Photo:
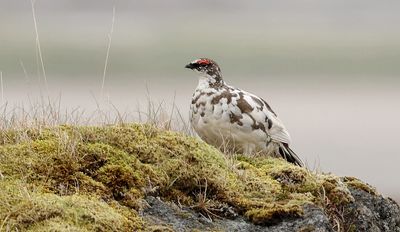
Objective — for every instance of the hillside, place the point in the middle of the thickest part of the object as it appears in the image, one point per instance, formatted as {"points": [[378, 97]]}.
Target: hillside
{"points": [[137, 177]]}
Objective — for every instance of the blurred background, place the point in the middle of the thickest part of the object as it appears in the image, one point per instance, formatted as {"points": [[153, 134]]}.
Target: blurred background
{"points": [[330, 69]]}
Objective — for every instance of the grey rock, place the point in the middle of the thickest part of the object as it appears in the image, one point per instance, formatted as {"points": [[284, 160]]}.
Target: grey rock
{"points": [[367, 213], [179, 219], [373, 213]]}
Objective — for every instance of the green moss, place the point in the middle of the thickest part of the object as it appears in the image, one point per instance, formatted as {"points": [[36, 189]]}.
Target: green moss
{"points": [[33, 210], [358, 184], [335, 190], [89, 171], [273, 213], [159, 228]]}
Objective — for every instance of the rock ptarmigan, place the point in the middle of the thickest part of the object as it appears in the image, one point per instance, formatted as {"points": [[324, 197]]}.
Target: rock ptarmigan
{"points": [[235, 120]]}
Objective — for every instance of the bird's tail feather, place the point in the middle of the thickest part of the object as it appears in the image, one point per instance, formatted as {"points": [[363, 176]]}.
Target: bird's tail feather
{"points": [[289, 155]]}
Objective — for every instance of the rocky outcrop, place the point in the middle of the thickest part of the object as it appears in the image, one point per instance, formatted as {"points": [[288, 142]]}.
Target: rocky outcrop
{"points": [[169, 216], [373, 213], [368, 212], [140, 178]]}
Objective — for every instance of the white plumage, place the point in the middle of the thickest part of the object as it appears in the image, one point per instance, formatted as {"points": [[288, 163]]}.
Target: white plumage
{"points": [[235, 120]]}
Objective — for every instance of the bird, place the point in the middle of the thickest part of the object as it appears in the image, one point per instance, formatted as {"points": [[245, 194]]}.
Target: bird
{"points": [[235, 120]]}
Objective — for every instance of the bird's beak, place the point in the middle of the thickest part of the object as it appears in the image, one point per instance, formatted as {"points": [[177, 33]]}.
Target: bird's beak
{"points": [[189, 66]]}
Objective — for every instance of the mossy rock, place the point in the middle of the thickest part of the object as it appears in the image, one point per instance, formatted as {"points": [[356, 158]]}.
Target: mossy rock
{"points": [[96, 178], [27, 208]]}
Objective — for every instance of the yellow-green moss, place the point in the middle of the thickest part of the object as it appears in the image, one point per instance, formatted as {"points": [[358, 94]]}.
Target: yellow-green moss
{"points": [[358, 184], [90, 171], [159, 228], [34, 210], [335, 190]]}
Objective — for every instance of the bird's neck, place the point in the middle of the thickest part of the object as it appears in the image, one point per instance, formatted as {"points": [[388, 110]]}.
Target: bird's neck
{"points": [[210, 81]]}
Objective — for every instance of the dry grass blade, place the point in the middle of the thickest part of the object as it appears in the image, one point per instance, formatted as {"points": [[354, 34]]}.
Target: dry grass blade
{"points": [[24, 70], [204, 205], [110, 35], [38, 46], [2, 87]]}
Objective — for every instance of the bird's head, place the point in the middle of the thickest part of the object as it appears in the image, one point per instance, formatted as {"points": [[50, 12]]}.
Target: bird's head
{"points": [[206, 67]]}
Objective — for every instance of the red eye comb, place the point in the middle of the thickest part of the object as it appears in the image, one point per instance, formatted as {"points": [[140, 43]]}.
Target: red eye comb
{"points": [[203, 61]]}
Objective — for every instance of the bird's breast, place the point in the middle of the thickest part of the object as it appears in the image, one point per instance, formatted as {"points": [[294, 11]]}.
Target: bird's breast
{"points": [[212, 113]]}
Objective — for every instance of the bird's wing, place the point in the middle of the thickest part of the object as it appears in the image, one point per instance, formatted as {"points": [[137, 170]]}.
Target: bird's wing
{"points": [[263, 116]]}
